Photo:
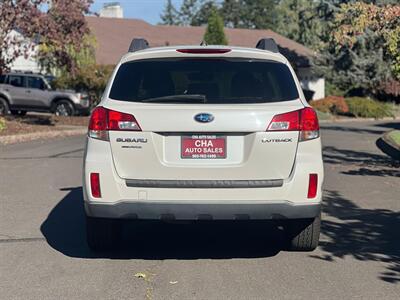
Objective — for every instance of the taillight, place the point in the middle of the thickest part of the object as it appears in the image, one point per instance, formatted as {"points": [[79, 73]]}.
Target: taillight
{"points": [[285, 122], [103, 120], [95, 185], [98, 124], [312, 186], [304, 120], [121, 121], [309, 124]]}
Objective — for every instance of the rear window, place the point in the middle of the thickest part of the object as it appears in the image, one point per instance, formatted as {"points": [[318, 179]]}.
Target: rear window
{"points": [[205, 81], [2, 79]]}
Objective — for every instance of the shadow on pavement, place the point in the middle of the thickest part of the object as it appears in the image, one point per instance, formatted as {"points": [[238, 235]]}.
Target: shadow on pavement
{"points": [[360, 130], [391, 125], [64, 230], [361, 163], [365, 234]]}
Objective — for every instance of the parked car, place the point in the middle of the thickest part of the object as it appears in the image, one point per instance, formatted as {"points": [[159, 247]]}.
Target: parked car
{"points": [[23, 92], [203, 133]]}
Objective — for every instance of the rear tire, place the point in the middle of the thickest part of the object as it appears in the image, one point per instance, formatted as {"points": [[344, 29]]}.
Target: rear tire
{"points": [[64, 108], [102, 234], [4, 109], [303, 234]]}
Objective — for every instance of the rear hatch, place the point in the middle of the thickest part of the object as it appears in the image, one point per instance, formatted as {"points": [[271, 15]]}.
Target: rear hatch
{"points": [[203, 119]]}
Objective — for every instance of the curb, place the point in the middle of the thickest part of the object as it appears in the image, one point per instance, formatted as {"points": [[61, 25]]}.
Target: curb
{"points": [[389, 147], [19, 138], [358, 120]]}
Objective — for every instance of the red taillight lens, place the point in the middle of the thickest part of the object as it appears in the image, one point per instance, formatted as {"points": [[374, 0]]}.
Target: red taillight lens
{"points": [[121, 121], [95, 185], [304, 120], [98, 119], [102, 120], [204, 51], [309, 124], [312, 186]]}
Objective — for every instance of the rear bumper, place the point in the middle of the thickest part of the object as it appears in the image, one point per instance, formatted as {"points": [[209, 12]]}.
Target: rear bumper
{"points": [[202, 199], [188, 210]]}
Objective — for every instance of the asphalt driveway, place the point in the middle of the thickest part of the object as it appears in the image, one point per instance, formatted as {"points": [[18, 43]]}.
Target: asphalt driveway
{"points": [[43, 254]]}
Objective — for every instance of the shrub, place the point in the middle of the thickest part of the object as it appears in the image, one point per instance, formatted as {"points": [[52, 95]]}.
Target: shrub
{"points": [[331, 104], [369, 108], [2, 124], [91, 79]]}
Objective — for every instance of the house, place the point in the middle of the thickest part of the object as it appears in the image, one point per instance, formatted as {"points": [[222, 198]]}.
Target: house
{"points": [[113, 36], [26, 62]]}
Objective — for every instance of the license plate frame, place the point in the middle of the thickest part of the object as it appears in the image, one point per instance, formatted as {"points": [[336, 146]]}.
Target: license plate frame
{"points": [[204, 137]]}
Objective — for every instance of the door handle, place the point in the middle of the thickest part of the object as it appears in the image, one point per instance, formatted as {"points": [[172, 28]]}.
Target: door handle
{"points": [[28, 91]]}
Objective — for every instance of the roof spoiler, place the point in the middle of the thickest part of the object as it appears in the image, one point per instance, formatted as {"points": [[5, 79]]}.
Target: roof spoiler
{"points": [[268, 44], [138, 44]]}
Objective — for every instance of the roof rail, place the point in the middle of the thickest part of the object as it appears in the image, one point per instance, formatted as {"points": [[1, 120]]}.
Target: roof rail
{"points": [[138, 44], [268, 44]]}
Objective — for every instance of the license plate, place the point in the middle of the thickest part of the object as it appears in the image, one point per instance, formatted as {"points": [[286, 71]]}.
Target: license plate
{"points": [[203, 147]]}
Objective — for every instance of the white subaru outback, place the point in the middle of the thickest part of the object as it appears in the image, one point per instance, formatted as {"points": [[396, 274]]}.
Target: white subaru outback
{"points": [[203, 133]]}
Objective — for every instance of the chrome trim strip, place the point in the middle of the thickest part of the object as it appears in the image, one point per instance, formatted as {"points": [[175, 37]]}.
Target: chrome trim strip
{"points": [[203, 184]]}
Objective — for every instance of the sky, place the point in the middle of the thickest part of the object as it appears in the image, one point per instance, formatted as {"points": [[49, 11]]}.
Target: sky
{"points": [[148, 10]]}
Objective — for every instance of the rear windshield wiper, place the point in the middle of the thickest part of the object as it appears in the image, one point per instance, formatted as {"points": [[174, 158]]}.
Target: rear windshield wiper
{"points": [[185, 98]]}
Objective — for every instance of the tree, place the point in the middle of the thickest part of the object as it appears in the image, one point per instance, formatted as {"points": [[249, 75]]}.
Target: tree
{"points": [[82, 58], [21, 15], [214, 34], [362, 49], [255, 14], [360, 69], [203, 13], [355, 21], [62, 32], [187, 11], [299, 20], [169, 15]]}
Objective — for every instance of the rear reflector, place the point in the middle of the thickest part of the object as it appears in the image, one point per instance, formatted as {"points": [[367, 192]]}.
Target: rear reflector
{"points": [[95, 185], [304, 120], [204, 51], [312, 186], [103, 120]]}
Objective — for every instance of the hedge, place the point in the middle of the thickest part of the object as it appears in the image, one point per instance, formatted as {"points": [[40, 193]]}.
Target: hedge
{"points": [[369, 108], [331, 104]]}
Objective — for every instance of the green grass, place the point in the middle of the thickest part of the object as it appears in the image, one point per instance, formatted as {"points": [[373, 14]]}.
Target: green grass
{"points": [[2, 124], [395, 136], [323, 115]]}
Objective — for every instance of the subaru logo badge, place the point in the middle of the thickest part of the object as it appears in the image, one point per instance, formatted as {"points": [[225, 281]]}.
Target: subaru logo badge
{"points": [[204, 118]]}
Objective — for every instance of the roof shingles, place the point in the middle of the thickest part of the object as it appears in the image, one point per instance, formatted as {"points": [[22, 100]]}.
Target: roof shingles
{"points": [[114, 35]]}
